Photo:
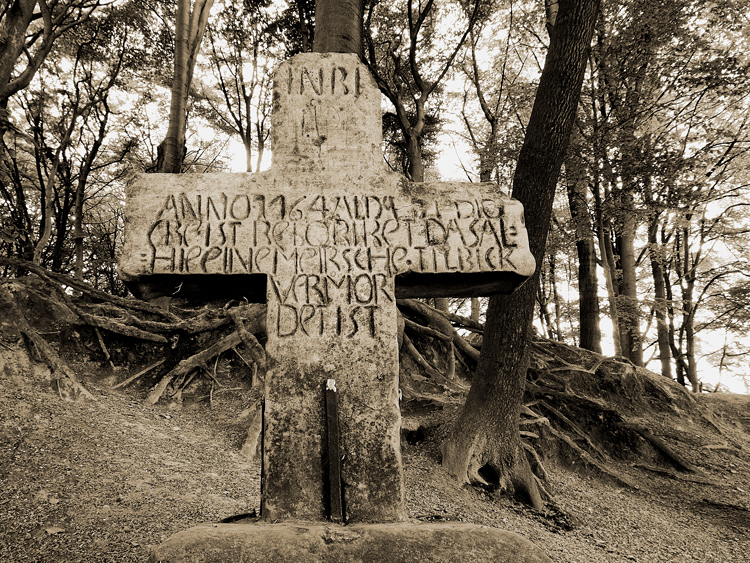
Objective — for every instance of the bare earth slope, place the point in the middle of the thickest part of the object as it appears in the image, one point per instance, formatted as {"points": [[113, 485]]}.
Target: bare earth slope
{"points": [[101, 481]]}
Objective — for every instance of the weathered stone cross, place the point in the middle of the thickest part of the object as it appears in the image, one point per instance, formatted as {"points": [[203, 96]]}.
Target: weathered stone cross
{"points": [[337, 239]]}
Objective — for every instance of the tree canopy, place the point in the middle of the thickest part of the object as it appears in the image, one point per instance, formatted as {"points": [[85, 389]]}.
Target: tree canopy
{"points": [[647, 254]]}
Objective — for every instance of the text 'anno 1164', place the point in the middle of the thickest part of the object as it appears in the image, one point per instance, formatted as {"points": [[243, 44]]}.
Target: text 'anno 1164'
{"points": [[254, 233]]}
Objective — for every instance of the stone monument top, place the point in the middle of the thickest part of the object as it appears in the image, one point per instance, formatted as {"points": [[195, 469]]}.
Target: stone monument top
{"points": [[334, 239]]}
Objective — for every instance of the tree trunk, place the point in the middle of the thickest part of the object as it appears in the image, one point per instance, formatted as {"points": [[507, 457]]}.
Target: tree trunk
{"points": [[603, 228], [660, 299], [692, 363], [628, 305], [475, 309], [189, 28], [588, 291], [488, 154], [556, 299], [688, 309], [416, 166], [65, 199], [173, 146], [484, 444], [17, 21], [48, 190], [545, 319], [442, 303], [588, 283], [18, 15], [338, 26]]}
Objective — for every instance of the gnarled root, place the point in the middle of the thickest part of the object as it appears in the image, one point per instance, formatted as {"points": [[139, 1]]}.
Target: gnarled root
{"points": [[474, 461]]}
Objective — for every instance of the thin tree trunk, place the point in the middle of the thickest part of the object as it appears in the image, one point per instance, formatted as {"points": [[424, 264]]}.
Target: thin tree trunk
{"points": [[173, 146], [49, 189], [475, 309], [484, 443], [416, 166], [608, 265], [660, 300], [189, 28], [688, 310], [65, 199], [588, 283], [628, 304], [556, 300], [541, 298], [83, 177], [692, 364]]}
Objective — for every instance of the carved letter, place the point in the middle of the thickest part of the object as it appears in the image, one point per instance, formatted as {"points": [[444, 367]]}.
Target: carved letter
{"points": [[293, 321]]}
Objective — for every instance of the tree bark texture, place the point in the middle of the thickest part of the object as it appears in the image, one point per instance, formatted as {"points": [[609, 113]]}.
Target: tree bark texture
{"points": [[442, 303], [484, 444], [338, 26], [603, 228]]}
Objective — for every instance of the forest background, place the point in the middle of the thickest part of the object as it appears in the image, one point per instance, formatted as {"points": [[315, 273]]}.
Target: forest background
{"points": [[647, 254]]}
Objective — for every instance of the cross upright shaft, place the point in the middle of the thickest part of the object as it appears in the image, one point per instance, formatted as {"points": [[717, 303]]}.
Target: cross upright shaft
{"points": [[338, 239]]}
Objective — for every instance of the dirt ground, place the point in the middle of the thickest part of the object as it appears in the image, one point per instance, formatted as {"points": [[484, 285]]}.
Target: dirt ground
{"points": [[102, 481]]}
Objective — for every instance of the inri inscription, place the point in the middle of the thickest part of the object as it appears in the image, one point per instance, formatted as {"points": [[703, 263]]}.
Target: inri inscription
{"points": [[338, 239]]}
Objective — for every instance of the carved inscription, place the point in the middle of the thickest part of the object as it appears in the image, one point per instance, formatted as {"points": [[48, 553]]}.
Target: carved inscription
{"points": [[331, 260], [322, 81]]}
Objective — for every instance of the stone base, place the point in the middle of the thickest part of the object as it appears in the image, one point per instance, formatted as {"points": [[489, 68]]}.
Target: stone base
{"points": [[354, 543]]}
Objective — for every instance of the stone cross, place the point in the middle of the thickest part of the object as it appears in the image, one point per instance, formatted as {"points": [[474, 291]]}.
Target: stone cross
{"points": [[335, 239]]}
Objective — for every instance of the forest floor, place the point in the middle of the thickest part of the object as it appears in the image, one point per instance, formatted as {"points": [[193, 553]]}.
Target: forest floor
{"points": [[103, 480]]}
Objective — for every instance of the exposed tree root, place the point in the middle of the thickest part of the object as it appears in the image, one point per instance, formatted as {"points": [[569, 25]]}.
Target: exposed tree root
{"points": [[586, 457], [109, 315], [537, 466], [416, 327], [55, 279], [42, 347], [580, 433], [595, 408], [144, 371], [118, 327], [463, 322], [196, 361], [437, 377], [676, 476], [256, 350], [441, 323], [660, 445], [103, 347]]}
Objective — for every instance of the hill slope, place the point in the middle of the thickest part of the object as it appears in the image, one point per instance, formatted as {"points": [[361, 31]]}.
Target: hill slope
{"points": [[100, 481]]}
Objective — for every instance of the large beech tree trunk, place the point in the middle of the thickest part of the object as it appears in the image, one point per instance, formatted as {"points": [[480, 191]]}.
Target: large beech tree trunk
{"points": [[484, 444], [338, 26]]}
